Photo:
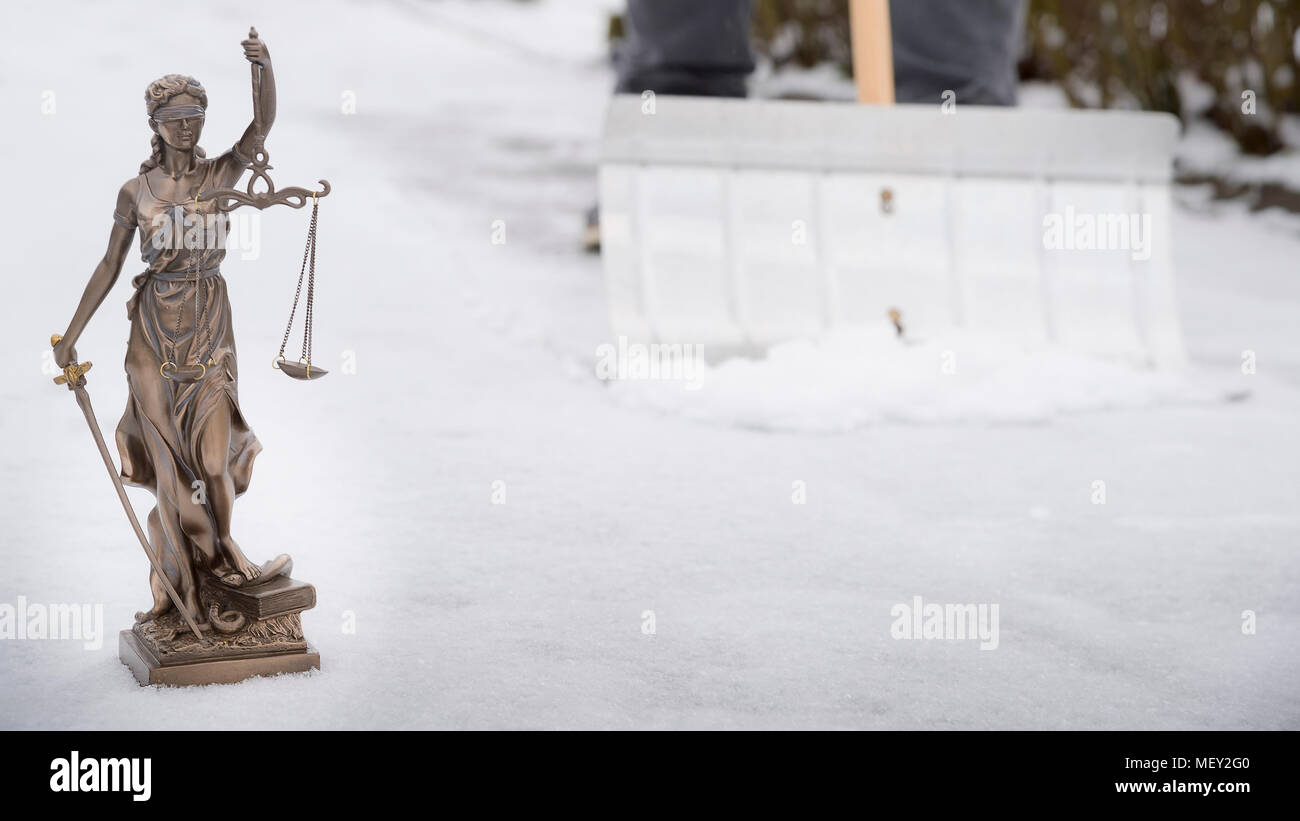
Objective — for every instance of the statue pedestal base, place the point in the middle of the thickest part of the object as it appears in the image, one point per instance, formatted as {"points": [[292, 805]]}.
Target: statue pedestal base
{"points": [[253, 632], [148, 670]]}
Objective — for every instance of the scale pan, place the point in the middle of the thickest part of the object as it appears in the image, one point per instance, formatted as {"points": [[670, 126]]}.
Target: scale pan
{"points": [[301, 370]]}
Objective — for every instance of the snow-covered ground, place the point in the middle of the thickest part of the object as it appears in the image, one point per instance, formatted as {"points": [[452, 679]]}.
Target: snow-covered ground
{"points": [[474, 378]]}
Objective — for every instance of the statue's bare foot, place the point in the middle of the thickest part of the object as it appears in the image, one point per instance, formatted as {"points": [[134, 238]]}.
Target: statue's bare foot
{"points": [[147, 615], [244, 569]]}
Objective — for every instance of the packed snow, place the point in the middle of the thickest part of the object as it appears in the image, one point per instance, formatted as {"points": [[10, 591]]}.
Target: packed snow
{"points": [[863, 375], [500, 539]]}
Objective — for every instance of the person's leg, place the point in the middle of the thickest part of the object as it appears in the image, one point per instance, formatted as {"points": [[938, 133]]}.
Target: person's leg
{"points": [[967, 46], [690, 47], [697, 48]]}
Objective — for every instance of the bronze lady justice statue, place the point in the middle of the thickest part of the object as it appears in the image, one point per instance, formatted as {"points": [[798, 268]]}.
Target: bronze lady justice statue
{"points": [[183, 435]]}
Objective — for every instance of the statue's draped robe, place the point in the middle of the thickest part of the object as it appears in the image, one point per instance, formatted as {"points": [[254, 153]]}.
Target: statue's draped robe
{"points": [[159, 433]]}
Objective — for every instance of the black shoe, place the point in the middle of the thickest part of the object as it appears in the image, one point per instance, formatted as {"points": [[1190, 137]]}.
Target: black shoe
{"points": [[591, 233]]}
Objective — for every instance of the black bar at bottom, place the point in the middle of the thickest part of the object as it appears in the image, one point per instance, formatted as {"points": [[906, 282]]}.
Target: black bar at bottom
{"points": [[306, 771]]}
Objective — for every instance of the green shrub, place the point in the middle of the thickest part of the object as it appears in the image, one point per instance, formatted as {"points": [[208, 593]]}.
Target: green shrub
{"points": [[1113, 54]]}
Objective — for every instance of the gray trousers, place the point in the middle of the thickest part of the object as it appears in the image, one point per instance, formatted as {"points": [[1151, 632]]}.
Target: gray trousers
{"points": [[693, 47], [701, 47]]}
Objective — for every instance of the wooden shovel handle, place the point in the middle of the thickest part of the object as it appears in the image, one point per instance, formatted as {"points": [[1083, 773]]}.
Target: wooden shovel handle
{"points": [[873, 51]]}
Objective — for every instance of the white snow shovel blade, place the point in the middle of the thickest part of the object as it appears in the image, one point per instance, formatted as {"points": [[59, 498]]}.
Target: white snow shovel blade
{"points": [[738, 224]]}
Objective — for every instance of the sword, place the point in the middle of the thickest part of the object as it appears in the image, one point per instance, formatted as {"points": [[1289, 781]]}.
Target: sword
{"points": [[74, 376]]}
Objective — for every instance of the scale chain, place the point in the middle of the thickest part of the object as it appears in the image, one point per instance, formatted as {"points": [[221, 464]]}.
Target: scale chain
{"points": [[308, 318], [308, 256]]}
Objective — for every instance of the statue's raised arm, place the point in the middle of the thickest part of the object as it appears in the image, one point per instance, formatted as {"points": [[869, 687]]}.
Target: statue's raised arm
{"points": [[254, 138], [250, 152]]}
